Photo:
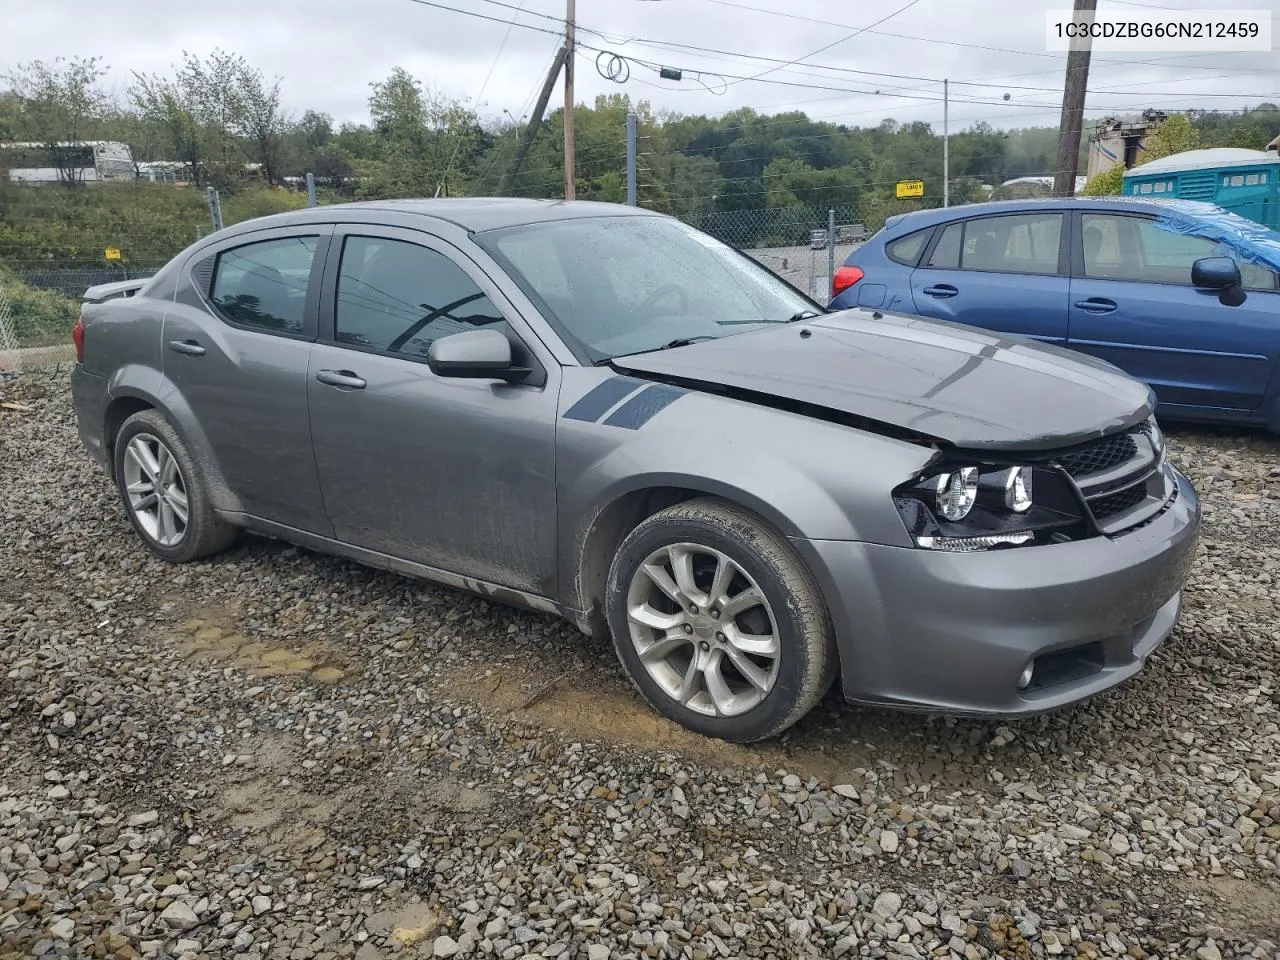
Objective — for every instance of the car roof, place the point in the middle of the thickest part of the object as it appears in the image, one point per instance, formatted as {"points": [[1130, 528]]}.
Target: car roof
{"points": [[917, 219], [474, 214]]}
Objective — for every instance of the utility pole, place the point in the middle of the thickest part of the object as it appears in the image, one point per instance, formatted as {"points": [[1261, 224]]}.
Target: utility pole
{"points": [[568, 101], [946, 143], [631, 158], [1069, 127], [535, 121]]}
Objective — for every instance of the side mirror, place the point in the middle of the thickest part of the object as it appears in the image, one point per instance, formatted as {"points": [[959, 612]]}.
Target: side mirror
{"points": [[474, 355], [1221, 274]]}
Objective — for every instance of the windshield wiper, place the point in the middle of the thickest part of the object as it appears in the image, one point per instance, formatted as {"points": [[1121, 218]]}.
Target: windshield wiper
{"points": [[802, 315], [684, 342]]}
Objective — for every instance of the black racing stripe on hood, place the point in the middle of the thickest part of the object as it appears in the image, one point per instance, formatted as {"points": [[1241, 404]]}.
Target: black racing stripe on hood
{"points": [[595, 403], [644, 406]]}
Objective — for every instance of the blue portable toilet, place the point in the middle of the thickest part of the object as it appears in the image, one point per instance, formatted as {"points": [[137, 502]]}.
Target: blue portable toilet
{"points": [[1246, 182]]}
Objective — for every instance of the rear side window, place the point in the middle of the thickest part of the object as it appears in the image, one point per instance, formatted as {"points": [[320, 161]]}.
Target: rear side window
{"points": [[264, 285], [906, 250], [946, 252], [397, 297], [1015, 243]]}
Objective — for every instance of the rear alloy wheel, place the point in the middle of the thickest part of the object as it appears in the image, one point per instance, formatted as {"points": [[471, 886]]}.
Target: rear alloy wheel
{"points": [[717, 622], [156, 490], [164, 491]]}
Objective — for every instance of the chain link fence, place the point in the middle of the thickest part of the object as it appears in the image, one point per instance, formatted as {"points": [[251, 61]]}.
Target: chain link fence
{"points": [[42, 295]]}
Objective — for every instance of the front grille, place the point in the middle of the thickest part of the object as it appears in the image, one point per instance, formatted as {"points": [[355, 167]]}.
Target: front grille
{"points": [[1103, 455], [1114, 503], [1120, 477]]}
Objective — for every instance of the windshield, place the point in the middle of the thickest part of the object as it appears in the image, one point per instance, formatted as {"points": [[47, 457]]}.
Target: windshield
{"points": [[620, 285]]}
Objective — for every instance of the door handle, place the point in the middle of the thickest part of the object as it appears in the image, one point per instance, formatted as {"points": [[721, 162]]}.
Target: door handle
{"points": [[941, 290], [341, 378], [1097, 305], [188, 347]]}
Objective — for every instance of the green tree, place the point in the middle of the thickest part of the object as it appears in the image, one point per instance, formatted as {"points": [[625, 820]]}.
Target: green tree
{"points": [[259, 119], [201, 110], [58, 104]]}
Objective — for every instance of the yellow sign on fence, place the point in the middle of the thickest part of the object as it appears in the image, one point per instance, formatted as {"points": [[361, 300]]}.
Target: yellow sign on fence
{"points": [[910, 188], [112, 253]]}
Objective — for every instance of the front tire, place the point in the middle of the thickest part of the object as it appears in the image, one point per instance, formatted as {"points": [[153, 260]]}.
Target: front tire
{"points": [[718, 623], [164, 493]]}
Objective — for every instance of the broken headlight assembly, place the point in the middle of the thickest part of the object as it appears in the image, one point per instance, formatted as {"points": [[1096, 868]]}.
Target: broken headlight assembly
{"points": [[963, 508]]}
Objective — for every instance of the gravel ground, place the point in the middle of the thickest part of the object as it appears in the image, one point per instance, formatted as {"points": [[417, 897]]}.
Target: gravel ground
{"points": [[279, 754]]}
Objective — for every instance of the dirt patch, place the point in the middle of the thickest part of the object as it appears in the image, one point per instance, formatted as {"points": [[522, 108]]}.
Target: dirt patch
{"points": [[212, 635], [1246, 907]]}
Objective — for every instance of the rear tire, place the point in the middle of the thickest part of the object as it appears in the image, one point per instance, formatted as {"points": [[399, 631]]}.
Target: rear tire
{"points": [[718, 623], [164, 492]]}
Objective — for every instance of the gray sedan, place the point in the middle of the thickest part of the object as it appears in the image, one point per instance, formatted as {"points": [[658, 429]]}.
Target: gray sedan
{"points": [[600, 412]]}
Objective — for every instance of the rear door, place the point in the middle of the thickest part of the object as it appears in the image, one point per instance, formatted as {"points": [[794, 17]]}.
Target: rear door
{"points": [[1007, 273], [236, 345], [1132, 303]]}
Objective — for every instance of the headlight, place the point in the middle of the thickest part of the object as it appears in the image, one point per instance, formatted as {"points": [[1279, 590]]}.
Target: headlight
{"points": [[965, 508], [957, 492], [1017, 489]]}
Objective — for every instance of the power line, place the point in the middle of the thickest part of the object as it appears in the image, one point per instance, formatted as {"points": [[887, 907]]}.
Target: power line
{"points": [[901, 36], [1104, 91], [485, 83], [834, 43]]}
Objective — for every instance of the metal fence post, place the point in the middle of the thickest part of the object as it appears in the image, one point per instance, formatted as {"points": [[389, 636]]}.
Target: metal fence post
{"points": [[311, 189], [215, 210], [831, 250], [631, 159]]}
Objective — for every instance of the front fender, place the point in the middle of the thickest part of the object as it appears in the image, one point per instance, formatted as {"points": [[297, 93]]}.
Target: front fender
{"points": [[808, 477]]}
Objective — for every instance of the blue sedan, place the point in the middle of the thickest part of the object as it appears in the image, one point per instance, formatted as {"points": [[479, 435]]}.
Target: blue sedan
{"points": [[1180, 294]]}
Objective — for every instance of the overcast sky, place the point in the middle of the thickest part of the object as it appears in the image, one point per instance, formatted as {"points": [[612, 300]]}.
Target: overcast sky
{"points": [[328, 51]]}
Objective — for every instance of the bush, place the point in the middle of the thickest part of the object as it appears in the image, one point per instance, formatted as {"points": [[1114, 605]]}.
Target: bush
{"points": [[148, 222], [37, 318]]}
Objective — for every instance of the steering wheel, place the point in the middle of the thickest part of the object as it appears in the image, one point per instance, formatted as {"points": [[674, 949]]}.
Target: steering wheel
{"points": [[664, 290]]}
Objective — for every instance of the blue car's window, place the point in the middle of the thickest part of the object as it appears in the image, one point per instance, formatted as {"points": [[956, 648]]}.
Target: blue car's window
{"points": [[946, 252], [906, 250], [1119, 247], [1013, 243], [264, 285], [398, 297]]}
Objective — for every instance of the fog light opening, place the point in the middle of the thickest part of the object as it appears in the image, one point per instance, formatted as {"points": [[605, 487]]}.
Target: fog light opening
{"points": [[1024, 679]]}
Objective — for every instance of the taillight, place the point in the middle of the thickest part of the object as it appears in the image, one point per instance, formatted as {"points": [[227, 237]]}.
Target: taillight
{"points": [[77, 337], [845, 278]]}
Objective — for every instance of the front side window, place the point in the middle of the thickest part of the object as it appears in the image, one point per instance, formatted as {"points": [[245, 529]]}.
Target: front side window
{"points": [[619, 285], [397, 297], [1118, 247], [264, 285]]}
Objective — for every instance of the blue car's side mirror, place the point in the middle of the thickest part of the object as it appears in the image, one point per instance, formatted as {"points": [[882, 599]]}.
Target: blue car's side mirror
{"points": [[1221, 274]]}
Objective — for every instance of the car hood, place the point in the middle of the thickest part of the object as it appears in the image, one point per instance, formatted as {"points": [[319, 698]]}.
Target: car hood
{"points": [[960, 385]]}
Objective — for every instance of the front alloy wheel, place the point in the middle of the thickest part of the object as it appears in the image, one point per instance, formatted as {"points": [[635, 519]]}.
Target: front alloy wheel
{"points": [[703, 629], [718, 623]]}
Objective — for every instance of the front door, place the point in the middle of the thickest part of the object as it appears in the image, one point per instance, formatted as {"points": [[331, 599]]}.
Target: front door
{"points": [[1132, 303], [236, 345], [1006, 273], [452, 473]]}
